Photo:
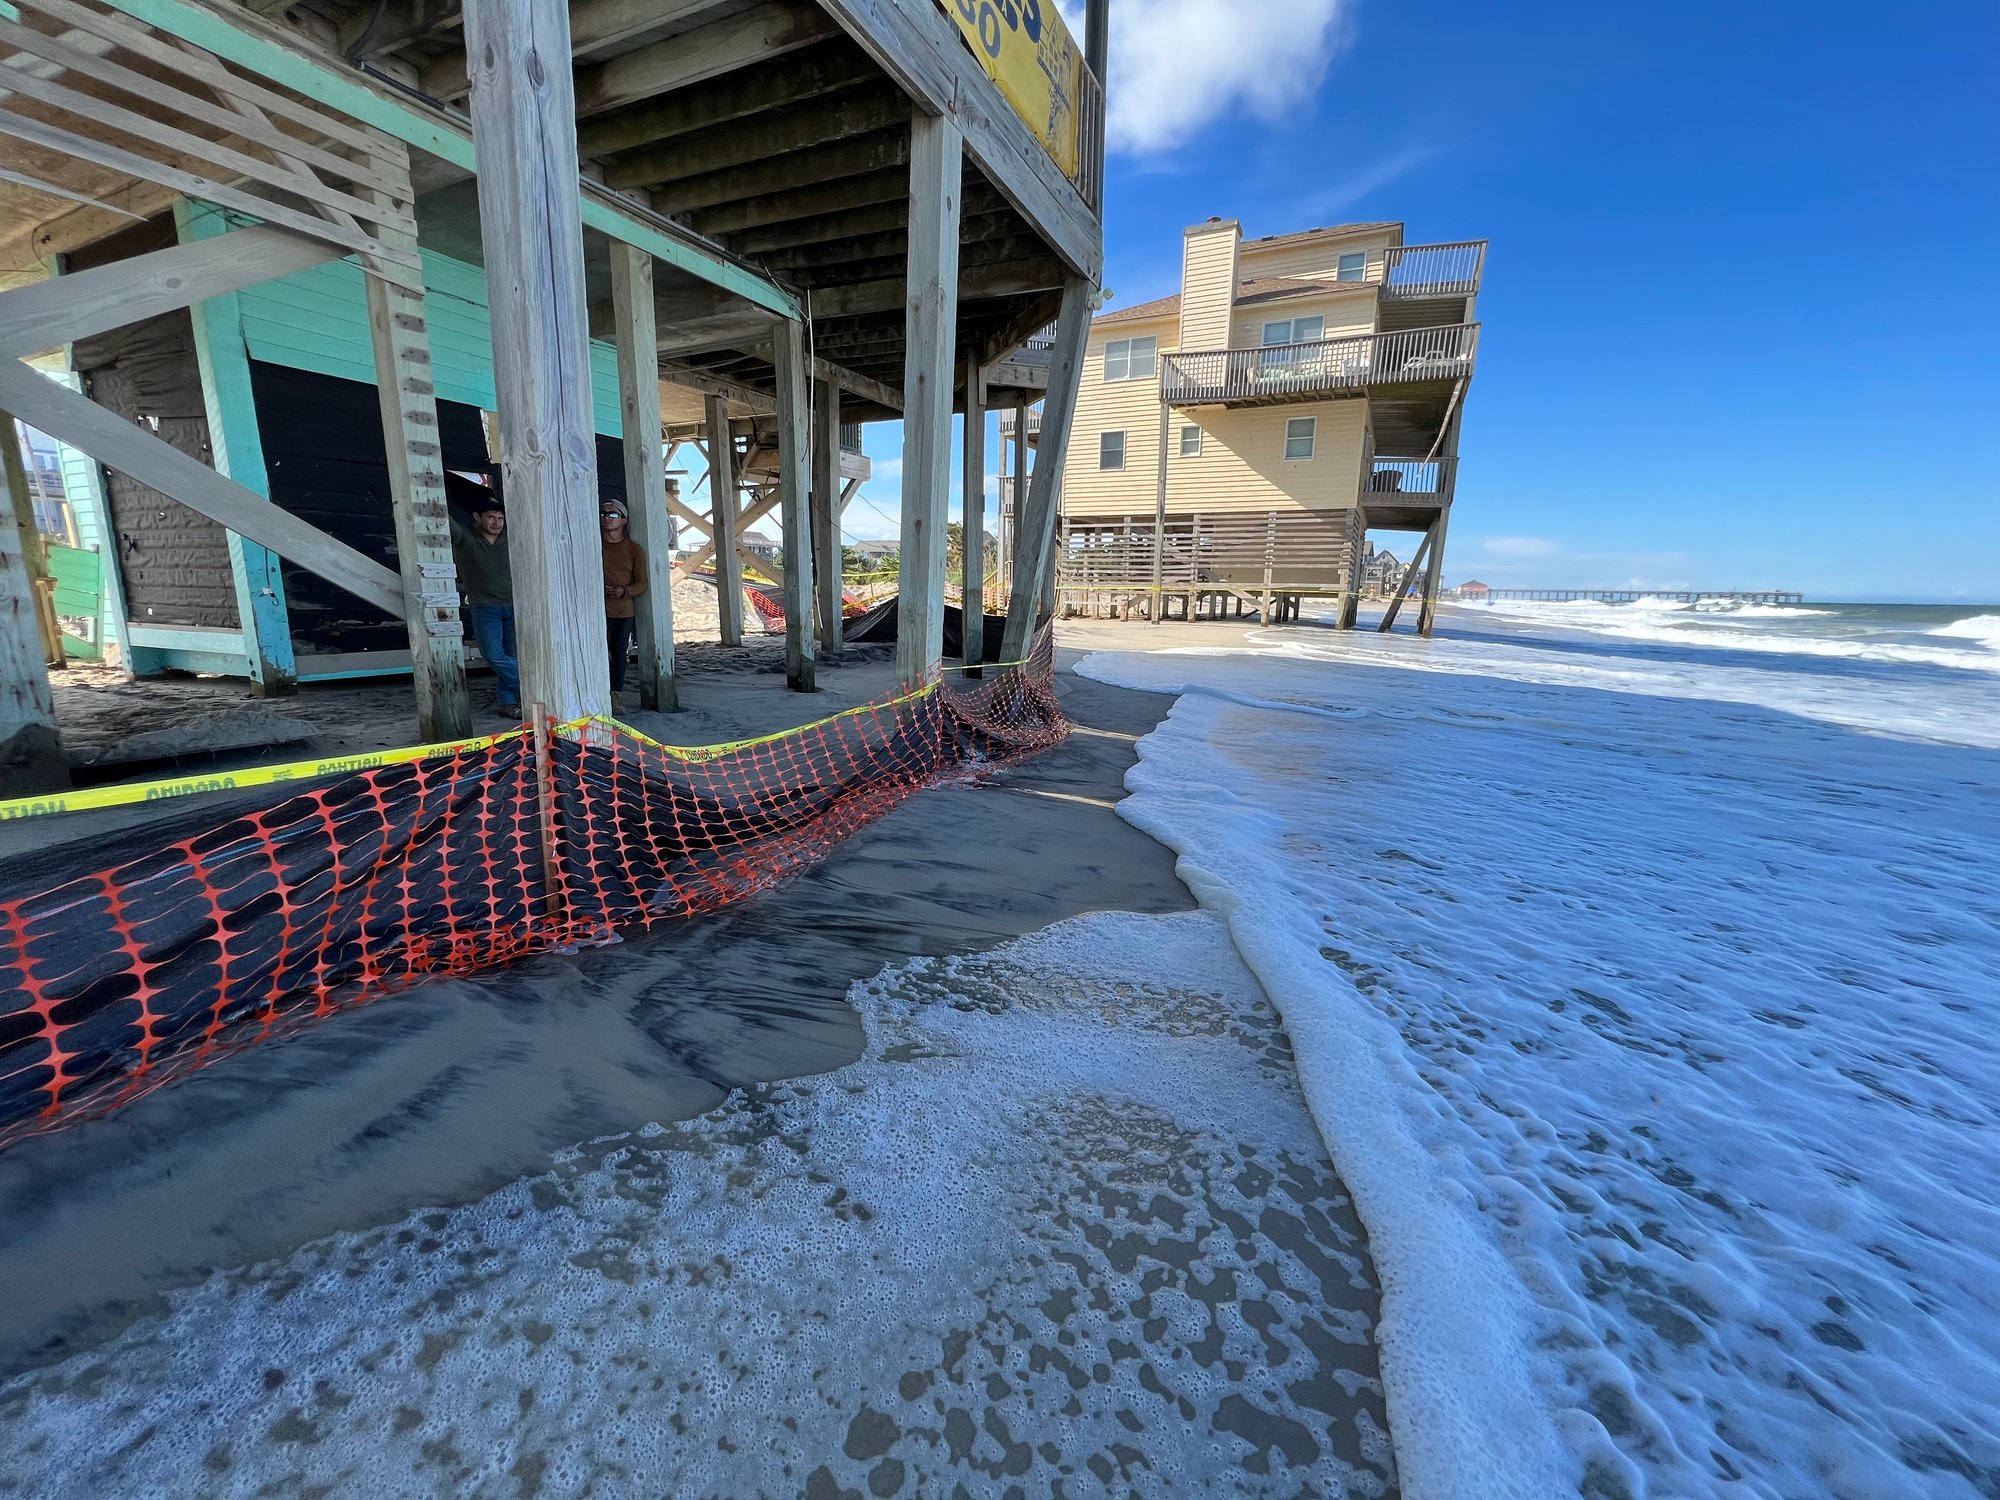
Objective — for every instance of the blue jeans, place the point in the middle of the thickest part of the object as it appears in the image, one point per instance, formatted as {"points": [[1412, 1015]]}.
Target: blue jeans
{"points": [[493, 628]]}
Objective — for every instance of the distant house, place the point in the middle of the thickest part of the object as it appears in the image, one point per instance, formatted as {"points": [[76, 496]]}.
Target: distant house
{"points": [[1473, 589], [1381, 571], [874, 554]]}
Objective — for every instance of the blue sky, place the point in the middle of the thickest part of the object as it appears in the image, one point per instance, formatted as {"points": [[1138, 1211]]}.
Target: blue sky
{"points": [[1740, 302]]}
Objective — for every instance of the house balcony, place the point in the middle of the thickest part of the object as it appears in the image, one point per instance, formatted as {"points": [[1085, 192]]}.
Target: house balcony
{"points": [[1329, 369], [1418, 272], [1406, 494]]}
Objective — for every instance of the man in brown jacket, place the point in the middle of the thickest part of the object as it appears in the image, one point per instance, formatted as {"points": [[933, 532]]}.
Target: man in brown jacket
{"points": [[624, 581]]}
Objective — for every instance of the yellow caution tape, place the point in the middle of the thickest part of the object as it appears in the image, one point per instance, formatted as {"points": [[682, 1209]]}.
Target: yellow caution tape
{"points": [[226, 781], [729, 747]]}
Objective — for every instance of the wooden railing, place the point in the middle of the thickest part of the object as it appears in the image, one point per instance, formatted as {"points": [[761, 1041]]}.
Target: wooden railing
{"points": [[1433, 270], [1090, 140], [1296, 372], [1390, 477]]}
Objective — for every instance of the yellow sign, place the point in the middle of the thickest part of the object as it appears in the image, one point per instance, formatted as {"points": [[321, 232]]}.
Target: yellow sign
{"points": [[1027, 50]]}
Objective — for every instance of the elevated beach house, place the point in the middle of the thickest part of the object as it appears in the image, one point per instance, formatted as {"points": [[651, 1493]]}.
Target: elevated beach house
{"points": [[1235, 442]]}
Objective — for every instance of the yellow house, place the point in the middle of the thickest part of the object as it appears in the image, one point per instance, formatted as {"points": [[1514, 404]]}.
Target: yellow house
{"points": [[1236, 441]]}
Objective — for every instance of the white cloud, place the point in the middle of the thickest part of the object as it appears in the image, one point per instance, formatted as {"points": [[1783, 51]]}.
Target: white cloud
{"points": [[1177, 66], [1518, 546]]}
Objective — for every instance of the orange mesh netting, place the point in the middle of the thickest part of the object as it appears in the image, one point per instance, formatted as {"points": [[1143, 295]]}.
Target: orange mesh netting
{"points": [[115, 981]]}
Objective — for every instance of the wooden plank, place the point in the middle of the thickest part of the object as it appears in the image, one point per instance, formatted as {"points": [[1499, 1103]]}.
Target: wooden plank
{"points": [[736, 97], [51, 138], [157, 133], [802, 203], [688, 377], [776, 174], [1010, 535], [22, 179], [645, 471], [399, 333], [795, 489], [31, 755], [760, 505], [1034, 572], [932, 312], [783, 131], [1403, 587], [136, 452], [918, 45], [807, 234], [594, 26], [722, 488], [755, 36], [194, 26], [826, 516], [64, 309], [1434, 577], [524, 121], [236, 446]]}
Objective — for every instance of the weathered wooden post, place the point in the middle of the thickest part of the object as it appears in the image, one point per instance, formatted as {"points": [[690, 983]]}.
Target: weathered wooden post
{"points": [[936, 150], [1035, 566], [795, 503], [524, 130], [31, 755], [826, 516], [645, 470], [972, 611], [722, 522]]}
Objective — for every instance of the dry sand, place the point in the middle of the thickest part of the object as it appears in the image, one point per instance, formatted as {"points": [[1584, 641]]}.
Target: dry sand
{"points": [[444, 1094]]}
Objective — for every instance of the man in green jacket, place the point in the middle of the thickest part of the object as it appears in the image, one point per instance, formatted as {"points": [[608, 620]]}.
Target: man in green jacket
{"points": [[486, 577]]}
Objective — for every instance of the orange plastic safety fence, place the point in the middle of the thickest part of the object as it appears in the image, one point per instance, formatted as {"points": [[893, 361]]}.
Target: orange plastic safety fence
{"points": [[115, 981]]}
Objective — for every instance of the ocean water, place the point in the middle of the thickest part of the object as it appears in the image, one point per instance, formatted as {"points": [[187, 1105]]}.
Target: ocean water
{"points": [[1065, 1228], [1643, 970]]}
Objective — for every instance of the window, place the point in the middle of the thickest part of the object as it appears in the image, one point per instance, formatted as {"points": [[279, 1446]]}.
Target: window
{"points": [[1111, 450], [1190, 442], [1301, 434], [1130, 359], [1353, 266], [1294, 331]]}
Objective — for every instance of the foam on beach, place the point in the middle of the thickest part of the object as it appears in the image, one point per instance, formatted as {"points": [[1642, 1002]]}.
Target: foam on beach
{"points": [[1067, 1221], [1647, 1007]]}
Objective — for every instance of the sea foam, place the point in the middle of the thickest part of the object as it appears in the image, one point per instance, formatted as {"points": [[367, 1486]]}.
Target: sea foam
{"points": [[1066, 1228], [1648, 1011]]}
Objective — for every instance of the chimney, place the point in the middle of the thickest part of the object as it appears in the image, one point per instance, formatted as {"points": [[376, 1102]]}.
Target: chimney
{"points": [[1208, 282]]}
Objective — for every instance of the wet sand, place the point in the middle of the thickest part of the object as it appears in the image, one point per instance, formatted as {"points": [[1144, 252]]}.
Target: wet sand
{"points": [[434, 1099]]}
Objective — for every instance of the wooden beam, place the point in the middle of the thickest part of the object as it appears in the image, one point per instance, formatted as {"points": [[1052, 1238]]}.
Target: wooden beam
{"points": [[1010, 531], [734, 97], [972, 533], [826, 516], [795, 490], [645, 472], [594, 26], [840, 118], [31, 754], [891, 241], [64, 309], [801, 203], [1434, 578], [805, 235], [1036, 521], [879, 152], [932, 311], [922, 49], [137, 453], [756, 36], [974, 257], [1020, 327], [722, 526], [524, 124], [399, 332], [689, 378], [1008, 279]]}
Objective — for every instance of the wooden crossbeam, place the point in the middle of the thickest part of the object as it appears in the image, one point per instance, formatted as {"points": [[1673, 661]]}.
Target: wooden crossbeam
{"points": [[758, 507], [801, 203], [67, 308], [754, 37], [1008, 279], [595, 26], [882, 151], [156, 463], [737, 96], [838, 119]]}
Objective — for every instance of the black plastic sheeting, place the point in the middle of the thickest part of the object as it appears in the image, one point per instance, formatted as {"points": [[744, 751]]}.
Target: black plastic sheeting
{"points": [[879, 624]]}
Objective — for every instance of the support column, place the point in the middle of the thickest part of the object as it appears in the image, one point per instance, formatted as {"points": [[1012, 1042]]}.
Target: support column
{"points": [[1010, 549], [788, 356], [400, 332], [645, 470], [1428, 613], [1159, 609], [1357, 557], [936, 149], [34, 551], [236, 447], [31, 753], [1035, 573], [972, 603], [531, 227], [722, 523], [826, 517], [1403, 584]]}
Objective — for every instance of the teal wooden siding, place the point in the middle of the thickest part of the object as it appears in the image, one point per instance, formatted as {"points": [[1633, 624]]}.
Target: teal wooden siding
{"points": [[318, 320]]}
